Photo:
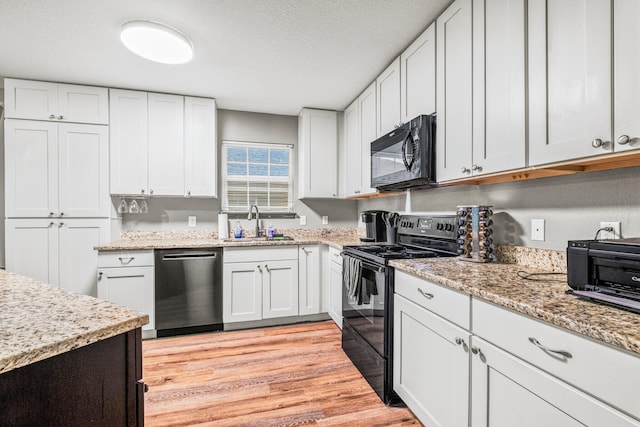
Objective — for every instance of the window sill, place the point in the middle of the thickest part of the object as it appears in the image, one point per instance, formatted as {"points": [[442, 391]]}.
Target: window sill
{"points": [[243, 215]]}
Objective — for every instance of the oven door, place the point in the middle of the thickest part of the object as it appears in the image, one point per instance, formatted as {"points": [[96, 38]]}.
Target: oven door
{"points": [[364, 309]]}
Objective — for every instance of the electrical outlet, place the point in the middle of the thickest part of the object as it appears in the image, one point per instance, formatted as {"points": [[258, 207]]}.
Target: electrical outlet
{"points": [[325, 220], [615, 234], [192, 221], [537, 229], [303, 220]]}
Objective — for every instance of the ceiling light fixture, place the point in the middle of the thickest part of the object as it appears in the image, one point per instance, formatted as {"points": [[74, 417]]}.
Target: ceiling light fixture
{"points": [[156, 42]]}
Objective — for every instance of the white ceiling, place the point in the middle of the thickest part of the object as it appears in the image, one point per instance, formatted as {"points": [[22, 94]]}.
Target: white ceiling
{"points": [[271, 56]]}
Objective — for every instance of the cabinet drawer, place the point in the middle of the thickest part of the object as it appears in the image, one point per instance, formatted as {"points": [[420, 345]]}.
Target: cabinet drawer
{"points": [[453, 306], [610, 374], [125, 258], [260, 253], [334, 255]]}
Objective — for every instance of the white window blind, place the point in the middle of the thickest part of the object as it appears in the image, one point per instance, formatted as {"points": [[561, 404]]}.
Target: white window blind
{"points": [[256, 174]]}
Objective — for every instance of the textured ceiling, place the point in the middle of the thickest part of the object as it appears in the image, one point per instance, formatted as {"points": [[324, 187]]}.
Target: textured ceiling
{"points": [[272, 56]]}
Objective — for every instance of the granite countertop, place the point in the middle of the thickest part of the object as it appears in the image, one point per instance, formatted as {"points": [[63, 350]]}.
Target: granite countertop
{"points": [[40, 321], [545, 300]]}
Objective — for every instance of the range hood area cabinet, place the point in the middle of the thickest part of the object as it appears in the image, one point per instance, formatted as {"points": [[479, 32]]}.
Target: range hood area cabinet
{"points": [[162, 145], [317, 154]]}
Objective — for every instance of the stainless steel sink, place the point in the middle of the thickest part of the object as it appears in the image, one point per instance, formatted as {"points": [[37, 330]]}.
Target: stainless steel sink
{"points": [[258, 239]]}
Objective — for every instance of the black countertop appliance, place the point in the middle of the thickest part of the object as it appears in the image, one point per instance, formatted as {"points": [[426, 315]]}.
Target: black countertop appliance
{"points": [[375, 226]]}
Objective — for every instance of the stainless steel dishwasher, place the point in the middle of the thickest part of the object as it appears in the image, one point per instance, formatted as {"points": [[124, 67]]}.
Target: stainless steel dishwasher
{"points": [[188, 291]]}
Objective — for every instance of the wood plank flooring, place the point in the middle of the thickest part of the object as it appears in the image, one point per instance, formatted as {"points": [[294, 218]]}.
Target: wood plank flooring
{"points": [[293, 375]]}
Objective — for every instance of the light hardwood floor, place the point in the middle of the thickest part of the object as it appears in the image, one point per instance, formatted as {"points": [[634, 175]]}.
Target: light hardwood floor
{"points": [[283, 376]]}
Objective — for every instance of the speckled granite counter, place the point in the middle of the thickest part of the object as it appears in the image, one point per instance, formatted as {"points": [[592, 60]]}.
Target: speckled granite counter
{"points": [[40, 321], [544, 300], [134, 240]]}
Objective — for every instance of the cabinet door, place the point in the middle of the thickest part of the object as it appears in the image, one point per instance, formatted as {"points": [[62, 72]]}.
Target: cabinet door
{"points": [[569, 79], [506, 392], [318, 154], [627, 63], [128, 142], [499, 140], [242, 292], [335, 292], [201, 147], [418, 76], [32, 248], [83, 104], [353, 152], [454, 133], [166, 145], [83, 159], [388, 98], [431, 365], [280, 289], [368, 120], [131, 287], [78, 261], [309, 280], [26, 99], [31, 168]]}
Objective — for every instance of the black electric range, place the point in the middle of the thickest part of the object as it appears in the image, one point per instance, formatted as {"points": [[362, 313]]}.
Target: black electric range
{"points": [[367, 300]]}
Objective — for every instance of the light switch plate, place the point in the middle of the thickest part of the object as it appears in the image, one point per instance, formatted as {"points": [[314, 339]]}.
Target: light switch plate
{"points": [[303, 220], [325, 220], [537, 229], [192, 221]]}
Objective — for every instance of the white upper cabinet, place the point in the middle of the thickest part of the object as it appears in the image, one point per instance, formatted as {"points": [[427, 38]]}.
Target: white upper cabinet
{"points": [[454, 132], [352, 151], [318, 154], [200, 145], [56, 170], [418, 76], [569, 79], [166, 144], [499, 104], [129, 147], [388, 97], [626, 126], [162, 145], [368, 120], [26, 99]]}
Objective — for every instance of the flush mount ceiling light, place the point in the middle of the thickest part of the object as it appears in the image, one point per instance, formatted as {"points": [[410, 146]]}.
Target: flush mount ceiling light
{"points": [[156, 42]]}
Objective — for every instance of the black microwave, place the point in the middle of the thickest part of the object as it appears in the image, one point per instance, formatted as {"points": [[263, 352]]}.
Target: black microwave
{"points": [[405, 157]]}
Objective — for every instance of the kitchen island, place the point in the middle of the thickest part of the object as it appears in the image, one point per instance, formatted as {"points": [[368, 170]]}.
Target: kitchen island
{"points": [[67, 359]]}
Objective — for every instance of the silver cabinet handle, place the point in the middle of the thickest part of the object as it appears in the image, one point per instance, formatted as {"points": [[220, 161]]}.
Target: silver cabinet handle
{"points": [[61, 213], [51, 214], [189, 193], [60, 117], [61, 225], [459, 341], [624, 139], [260, 269], [100, 275], [427, 295], [549, 350], [51, 224], [476, 168], [597, 143], [126, 260], [303, 249], [266, 267], [142, 191], [150, 191], [52, 116], [465, 170]]}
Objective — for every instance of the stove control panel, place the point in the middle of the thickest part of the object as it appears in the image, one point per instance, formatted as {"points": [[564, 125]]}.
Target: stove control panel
{"points": [[430, 226]]}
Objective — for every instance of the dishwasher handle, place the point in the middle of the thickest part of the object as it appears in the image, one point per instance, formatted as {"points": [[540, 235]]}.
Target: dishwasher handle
{"points": [[189, 256]]}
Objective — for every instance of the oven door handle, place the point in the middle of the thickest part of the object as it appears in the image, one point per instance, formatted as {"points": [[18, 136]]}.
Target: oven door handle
{"points": [[369, 266]]}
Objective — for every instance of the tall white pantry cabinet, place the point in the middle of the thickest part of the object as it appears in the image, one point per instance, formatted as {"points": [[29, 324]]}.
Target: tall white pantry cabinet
{"points": [[56, 181]]}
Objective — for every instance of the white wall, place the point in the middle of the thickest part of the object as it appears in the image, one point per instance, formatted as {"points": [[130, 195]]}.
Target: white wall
{"points": [[572, 206], [172, 213]]}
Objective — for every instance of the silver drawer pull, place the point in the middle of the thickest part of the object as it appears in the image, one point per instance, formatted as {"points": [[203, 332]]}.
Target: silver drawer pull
{"points": [[549, 350], [427, 295], [126, 260]]}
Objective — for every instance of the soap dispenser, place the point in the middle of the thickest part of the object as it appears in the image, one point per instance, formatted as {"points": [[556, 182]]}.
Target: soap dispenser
{"points": [[237, 231]]}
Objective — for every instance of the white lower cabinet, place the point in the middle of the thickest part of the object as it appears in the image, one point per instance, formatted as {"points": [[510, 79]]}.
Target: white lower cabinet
{"points": [[57, 251], [507, 391], [259, 283], [334, 285], [127, 279], [309, 298], [509, 370]]}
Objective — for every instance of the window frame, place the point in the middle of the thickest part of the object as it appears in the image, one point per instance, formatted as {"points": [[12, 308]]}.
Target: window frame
{"points": [[225, 178]]}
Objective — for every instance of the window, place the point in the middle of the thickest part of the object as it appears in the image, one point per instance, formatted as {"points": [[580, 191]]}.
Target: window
{"points": [[256, 174]]}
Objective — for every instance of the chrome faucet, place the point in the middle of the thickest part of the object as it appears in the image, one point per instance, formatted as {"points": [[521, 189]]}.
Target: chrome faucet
{"points": [[257, 218]]}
